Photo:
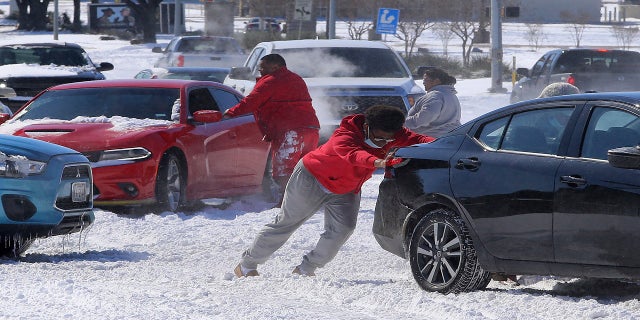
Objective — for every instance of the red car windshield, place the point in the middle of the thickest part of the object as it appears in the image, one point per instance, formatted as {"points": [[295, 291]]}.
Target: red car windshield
{"points": [[138, 103]]}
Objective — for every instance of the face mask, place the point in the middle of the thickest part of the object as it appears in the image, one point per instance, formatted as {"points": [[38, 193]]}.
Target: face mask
{"points": [[369, 142]]}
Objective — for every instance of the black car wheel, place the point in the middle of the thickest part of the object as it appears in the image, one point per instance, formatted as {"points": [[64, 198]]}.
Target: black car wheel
{"points": [[170, 183], [442, 256]]}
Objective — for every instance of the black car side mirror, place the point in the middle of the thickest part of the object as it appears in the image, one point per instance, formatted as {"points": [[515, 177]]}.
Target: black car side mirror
{"points": [[523, 72], [240, 73], [625, 157], [105, 66], [157, 50]]}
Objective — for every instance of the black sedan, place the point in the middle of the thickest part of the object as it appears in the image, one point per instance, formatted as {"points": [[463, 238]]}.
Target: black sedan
{"points": [[545, 187]]}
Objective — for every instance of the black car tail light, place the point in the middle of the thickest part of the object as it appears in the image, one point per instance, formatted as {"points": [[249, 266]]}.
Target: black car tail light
{"points": [[571, 80]]}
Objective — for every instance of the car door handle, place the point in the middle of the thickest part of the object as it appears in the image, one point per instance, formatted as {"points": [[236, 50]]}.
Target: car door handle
{"points": [[468, 164], [573, 181]]}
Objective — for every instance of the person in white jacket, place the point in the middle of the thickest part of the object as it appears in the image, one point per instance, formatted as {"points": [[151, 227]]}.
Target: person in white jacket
{"points": [[438, 111]]}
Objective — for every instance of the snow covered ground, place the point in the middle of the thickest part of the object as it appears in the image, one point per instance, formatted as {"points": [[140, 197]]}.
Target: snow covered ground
{"points": [[179, 266]]}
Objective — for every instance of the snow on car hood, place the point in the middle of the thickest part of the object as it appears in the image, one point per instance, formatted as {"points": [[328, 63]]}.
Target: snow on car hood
{"points": [[36, 70], [85, 133]]}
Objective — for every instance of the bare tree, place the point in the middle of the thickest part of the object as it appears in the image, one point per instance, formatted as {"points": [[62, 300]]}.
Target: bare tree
{"points": [[146, 12], [465, 23], [409, 32], [442, 30], [32, 14], [357, 29], [577, 25], [625, 35], [535, 35]]}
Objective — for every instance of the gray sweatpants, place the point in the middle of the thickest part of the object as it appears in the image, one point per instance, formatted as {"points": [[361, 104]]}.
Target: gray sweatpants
{"points": [[303, 197]]}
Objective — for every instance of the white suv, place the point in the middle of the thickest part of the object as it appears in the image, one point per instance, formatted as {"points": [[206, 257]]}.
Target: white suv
{"points": [[344, 76]]}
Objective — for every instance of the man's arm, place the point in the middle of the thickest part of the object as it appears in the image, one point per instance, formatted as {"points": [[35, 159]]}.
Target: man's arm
{"points": [[261, 93]]}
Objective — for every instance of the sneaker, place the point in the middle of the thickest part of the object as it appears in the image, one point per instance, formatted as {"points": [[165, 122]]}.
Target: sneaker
{"points": [[240, 274], [299, 271]]}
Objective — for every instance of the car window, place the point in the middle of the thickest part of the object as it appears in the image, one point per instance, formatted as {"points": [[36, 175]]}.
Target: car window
{"points": [[536, 70], [492, 133], [599, 60], [212, 45], [608, 129], [537, 131], [138, 103], [224, 99], [201, 99], [253, 58], [144, 74], [60, 56], [344, 62]]}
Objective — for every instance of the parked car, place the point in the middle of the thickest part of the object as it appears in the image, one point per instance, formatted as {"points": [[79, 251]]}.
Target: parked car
{"points": [[600, 70], [262, 24], [151, 142], [45, 190], [193, 73], [43, 65], [543, 187], [201, 51], [343, 76]]}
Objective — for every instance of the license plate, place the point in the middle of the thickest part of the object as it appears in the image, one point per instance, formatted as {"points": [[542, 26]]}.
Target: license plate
{"points": [[79, 192]]}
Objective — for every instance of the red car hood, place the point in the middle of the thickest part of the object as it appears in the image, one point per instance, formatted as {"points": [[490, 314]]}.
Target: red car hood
{"points": [[88, 136]]}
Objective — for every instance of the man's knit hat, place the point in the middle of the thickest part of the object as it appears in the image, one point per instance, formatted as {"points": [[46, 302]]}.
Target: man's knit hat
{"points": [[558, 89]]}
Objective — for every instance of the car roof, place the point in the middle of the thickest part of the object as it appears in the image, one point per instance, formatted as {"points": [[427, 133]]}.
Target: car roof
{"points": [[137, 83], [631, 98], [205, 37], [192, 69], [44, 44], [590, 50], [324, 43]]}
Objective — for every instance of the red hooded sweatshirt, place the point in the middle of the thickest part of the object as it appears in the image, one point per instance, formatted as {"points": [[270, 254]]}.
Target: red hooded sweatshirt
{"points": [[280, 102], [345, 162]]}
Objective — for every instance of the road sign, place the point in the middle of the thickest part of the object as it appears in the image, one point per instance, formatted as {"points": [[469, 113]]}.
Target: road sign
{"points": [[387, 21], [302, 10]]}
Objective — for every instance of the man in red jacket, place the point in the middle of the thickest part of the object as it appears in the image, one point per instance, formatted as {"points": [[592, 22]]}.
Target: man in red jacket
{"points": [[330, 177], [282, 106]]}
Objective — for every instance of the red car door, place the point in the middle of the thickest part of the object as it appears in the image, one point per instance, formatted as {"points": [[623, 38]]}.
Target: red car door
{"points": [[252, 152], [212, 170]]}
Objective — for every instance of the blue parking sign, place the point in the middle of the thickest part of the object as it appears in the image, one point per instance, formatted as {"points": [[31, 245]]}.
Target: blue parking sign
{"points": [[387, 21]]}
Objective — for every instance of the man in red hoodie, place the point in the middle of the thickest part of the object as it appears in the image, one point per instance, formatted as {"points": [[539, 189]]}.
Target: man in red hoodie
{"points": [[330, 177], [282, 107]]}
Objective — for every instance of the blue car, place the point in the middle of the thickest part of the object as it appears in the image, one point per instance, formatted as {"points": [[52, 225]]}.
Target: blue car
{"points": [[45, 190]]}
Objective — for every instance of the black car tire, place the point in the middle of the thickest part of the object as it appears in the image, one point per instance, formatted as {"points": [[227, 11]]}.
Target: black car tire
{"points": [[14, 246], [170, 183], [442, 256]]}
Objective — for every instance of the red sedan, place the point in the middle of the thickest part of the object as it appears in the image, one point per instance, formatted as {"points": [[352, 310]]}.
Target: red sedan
{"points": [[151, 141]]}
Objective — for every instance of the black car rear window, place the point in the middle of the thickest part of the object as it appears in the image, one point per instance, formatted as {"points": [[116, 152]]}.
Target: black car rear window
{"points": [[599, 60], [138, 103]]}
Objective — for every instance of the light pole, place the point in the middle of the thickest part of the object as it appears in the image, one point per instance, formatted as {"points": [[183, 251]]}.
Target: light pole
{"points": [[55, 20], [496, 48], [332, 19]]}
